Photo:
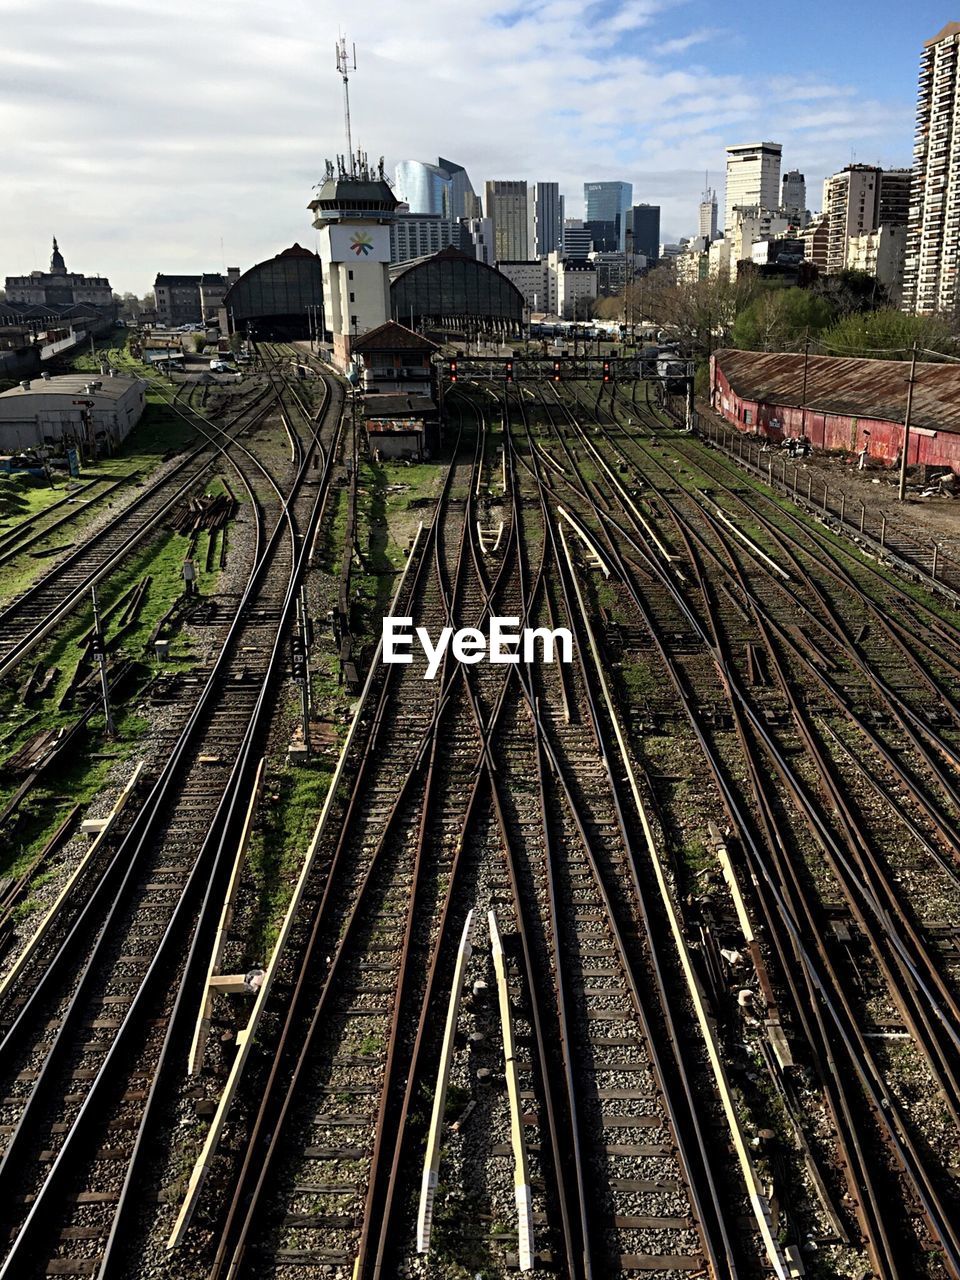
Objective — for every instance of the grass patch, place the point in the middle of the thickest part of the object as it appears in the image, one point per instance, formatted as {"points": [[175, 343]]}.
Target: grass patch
{"points": [[78, 782], [293, 798]]}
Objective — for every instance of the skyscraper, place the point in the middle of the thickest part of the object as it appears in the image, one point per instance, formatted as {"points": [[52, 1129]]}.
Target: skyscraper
{"points": [[608, 202], [707, 228], [643, 221], [793, 200], [547, 219], [933, 246], [577, 242], [442, 188], [421, 186], [753, 178], [463, 201], [506, 206]]}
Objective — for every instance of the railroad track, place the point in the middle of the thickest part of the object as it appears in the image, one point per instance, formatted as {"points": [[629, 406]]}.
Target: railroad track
{"points": [[37, 611], [709, 543], [77, 1053], [320, 1215]]}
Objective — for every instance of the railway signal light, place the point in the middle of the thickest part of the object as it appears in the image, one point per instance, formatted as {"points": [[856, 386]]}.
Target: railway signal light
{"points": [[452, 367], [509, 370], [298, 659], [606, 370], [556, 371]]}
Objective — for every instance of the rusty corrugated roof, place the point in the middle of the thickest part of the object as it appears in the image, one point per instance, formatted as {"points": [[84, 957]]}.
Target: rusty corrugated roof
{"points": [[855, 387], [392, 337]]}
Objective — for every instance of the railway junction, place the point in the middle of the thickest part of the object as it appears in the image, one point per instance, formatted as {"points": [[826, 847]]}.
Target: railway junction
{"points": [[645, 963]]}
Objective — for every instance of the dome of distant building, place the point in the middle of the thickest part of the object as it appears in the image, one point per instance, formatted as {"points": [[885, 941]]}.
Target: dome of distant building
{"points": [[59, 287]]}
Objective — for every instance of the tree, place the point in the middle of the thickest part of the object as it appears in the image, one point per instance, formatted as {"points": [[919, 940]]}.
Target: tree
{"points": [[608, 308], [888, 333], [852, 292], [699, 313], [779, 320]]}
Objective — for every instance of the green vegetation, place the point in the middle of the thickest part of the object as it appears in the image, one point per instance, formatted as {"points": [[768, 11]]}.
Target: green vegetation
{"points": [[78, 782], [780, 319], [392, 498], [292, 800], [162, 559], [888, 332]]}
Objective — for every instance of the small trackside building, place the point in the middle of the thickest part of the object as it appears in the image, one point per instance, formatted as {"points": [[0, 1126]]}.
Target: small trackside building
{"points": [[69, 410], [395, 438], [394, 359], [841, 404]]}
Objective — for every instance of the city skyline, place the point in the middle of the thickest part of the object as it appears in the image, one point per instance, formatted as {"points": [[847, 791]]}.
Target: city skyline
{"points": [[145, 150]]}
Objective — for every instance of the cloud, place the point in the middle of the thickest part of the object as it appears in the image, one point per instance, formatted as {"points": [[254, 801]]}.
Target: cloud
{"points": [[682, 43], [151, 133]]}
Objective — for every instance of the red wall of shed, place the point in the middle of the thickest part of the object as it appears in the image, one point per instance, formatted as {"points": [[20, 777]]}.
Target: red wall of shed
{"points": [[830, 431]]}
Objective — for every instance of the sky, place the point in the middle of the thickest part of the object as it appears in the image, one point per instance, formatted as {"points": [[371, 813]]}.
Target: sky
{"points": [[176, 136]]}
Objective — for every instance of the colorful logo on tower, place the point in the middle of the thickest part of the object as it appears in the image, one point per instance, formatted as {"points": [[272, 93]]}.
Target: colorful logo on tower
{"points": [[361, 244]]}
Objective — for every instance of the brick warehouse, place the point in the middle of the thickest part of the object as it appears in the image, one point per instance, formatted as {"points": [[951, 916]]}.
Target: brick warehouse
{"points": [[850, 403]]}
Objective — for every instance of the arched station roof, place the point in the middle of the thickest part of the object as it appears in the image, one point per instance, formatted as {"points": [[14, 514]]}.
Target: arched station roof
{"points": [[277, 293], [451, 286]]}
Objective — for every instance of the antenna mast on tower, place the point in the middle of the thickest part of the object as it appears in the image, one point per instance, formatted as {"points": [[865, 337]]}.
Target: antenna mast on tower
{"points": [[344, 67]]}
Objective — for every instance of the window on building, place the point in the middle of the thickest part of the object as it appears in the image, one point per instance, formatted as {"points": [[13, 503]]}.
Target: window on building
{"points": [[748, 417], [349, 275], [352, 298]]}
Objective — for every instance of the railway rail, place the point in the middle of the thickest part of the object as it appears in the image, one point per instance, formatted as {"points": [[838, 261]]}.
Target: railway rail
{"points": [[927, 1021], [75, 1093]]}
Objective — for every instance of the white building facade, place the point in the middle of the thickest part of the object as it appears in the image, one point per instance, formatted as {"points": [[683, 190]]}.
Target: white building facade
{"points": [[753, 178]]}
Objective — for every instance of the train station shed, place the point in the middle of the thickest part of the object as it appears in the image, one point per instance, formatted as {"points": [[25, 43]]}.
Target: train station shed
{"points": [[842, 404], [74, 408], [277, 298], [453, 289]]}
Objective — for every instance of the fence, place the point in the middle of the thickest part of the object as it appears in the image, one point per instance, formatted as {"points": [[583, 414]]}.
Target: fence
{"points": [[926, 562]]}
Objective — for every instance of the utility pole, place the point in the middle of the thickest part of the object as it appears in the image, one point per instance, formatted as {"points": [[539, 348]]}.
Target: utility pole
{"points": [[901, 490], [301, 670], [100, 654], [803, 393]]}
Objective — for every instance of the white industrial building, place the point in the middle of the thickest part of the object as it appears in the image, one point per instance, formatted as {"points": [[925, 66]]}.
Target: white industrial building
{"points": [[75, 407]]}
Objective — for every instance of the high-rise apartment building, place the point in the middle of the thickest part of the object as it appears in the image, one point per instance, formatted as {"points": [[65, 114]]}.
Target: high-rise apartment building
{"points": [[851, 201], [793, 198], [753, 178], [707, 227], [506, 206], [859, 200], [547, 211], [895, 188], [608, 202], [933, 237]]}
